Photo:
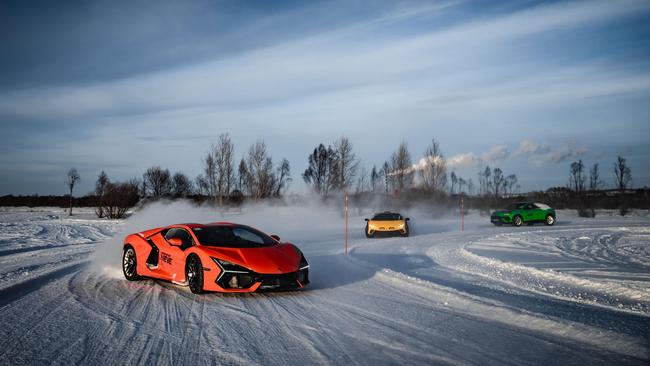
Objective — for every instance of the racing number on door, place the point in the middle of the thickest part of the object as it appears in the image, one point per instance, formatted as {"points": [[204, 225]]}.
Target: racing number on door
{"points": [[166, 258]]}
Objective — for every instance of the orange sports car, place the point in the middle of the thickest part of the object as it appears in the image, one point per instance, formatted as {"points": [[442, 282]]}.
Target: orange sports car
{"points": [[221, 256]]}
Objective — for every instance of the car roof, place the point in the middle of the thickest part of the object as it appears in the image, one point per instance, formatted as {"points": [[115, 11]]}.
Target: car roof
{"points": [[194, 225]]}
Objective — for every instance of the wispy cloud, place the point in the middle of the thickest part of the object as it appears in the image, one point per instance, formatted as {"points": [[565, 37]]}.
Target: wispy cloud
{"points": [[536, 153], [344, 62], [469, 160], [495, 153], [540, 154], [464, 160]]}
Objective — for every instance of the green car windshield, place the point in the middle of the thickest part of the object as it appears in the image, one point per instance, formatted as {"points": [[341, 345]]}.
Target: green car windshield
{"points": [[517, 206]]}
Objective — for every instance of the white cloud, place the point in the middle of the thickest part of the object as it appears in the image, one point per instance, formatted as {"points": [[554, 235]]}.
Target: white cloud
{"points": [[470, 160], [536, 153], [540, 154], [466, 160], [498, 152], [531, 147]]}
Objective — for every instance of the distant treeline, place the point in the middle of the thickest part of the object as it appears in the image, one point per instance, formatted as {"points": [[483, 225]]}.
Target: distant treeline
{"points": [[334, 170], [557, 197]]}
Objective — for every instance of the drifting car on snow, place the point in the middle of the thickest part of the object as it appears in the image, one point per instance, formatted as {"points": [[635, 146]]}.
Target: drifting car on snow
{"points": [[524, 212], [221, 257], [387, 223]]}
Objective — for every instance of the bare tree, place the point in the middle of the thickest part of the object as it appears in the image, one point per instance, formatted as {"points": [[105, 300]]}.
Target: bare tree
{"points": [[219, 168], [158, 182], [100, 191], [320, 172], [594, 178], [485, 183], [434, 173], [385, 172], [363, 182], [577, 177], [498, 182], [454, 180], [375, 177], [461, 183], [510, 184], [577, 181], [202, 186], [242, 176], [345, 164], [181, 185], [71, 179], [283, 177], [401, 167], [470, 186], [119, 197], [223, 155], [259, 164], [210, 174], [622, 174]]}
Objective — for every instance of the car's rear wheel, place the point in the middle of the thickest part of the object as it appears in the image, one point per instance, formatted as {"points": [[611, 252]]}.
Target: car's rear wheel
{"points": [[550, 220], [130, 264], [517, 221], [194, 274]]}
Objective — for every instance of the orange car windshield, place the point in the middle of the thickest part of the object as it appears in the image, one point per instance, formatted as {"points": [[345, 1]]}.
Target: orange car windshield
{"points": [[232, 237]]}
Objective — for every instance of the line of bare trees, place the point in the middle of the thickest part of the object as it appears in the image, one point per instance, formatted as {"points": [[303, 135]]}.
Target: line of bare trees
{"points": [[256, 175], [333, 169], [577, 176], [584, 197], [495, 183]]}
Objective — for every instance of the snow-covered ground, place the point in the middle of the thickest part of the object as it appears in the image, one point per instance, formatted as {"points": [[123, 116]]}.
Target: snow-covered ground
{"points": [[574, 293]]}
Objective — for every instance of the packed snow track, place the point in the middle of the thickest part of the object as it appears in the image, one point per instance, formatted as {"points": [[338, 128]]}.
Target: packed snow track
{"points": [[575, 293]]}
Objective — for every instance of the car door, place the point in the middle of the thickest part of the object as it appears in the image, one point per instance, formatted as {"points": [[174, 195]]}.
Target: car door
{"points": [[538, 213], [529, 212], [172, 258]]}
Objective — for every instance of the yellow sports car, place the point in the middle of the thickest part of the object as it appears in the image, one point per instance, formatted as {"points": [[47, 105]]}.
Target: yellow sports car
{"points": [[387, 223]]}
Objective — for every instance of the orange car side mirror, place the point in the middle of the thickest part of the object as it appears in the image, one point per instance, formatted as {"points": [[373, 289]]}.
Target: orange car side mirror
{"points": [[175, 242], [277, 238]]}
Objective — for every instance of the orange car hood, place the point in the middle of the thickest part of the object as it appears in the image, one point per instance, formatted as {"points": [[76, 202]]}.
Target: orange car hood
{"points": [[281, 258]]}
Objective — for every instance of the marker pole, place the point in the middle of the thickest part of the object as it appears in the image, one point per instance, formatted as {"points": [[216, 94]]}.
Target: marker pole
{"points": [[462, 215], [346, 222]]}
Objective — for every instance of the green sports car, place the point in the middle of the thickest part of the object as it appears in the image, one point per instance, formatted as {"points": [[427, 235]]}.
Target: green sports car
{"points": [[524, 212]]}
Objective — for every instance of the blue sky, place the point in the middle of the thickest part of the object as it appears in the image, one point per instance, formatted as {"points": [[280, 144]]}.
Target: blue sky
{"points": [[527, 86]]}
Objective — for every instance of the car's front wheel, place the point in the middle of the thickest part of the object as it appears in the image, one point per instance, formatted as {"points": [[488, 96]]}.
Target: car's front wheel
{"points": [[130, 264], [550, 220], [517, 221], [368, 235], [406, 231], [194, 274]]}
